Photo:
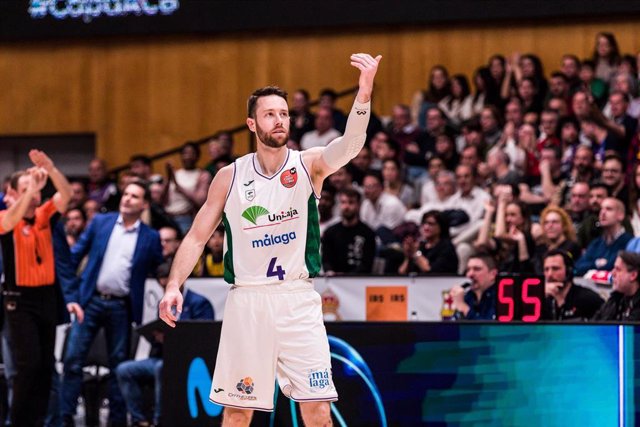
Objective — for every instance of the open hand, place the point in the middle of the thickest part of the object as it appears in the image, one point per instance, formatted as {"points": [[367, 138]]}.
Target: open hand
{"points": [[172, 298], [38, 179], [368, 67], [41, 160]]}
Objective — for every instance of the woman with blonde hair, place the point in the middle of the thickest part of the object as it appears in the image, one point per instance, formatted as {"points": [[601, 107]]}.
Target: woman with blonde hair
{"points": [[557, 234]]}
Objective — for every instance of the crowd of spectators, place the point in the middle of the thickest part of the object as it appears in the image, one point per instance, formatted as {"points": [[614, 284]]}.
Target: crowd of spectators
{"points": [[512, 171]]}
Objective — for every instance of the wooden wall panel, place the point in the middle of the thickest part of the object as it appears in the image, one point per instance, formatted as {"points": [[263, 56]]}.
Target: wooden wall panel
{"points": [[148, 95]]}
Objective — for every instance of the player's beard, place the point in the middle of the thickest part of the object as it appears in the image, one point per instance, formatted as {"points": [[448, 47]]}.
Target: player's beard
{"points": [[268, 140]]}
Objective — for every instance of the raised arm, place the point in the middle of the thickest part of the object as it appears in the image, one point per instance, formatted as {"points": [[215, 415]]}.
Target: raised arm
{"points": [[204, 224], [324, 161], [63, 188], [16, 211]]}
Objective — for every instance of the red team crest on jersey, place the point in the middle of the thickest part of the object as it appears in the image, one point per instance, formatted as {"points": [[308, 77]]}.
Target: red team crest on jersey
{"points": [[289, 177]]}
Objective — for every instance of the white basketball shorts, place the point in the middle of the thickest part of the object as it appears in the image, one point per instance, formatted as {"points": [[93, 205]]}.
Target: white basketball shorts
{"points": [[272, 332]]}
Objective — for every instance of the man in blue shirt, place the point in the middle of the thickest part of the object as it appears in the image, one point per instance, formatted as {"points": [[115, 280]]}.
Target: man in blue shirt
{"points": [[602, 252], [478, 303], [121, 252]]}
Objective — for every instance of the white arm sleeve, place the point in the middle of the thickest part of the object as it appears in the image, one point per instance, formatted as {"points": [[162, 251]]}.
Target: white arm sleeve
{"points": [[341, 150]]}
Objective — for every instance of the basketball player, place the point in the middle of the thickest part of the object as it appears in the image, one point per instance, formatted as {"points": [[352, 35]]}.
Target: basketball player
{"points": [[273, 324]]}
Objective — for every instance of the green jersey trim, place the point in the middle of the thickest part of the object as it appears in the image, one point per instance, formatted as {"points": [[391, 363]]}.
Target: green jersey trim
{"points": [[312, 249]]}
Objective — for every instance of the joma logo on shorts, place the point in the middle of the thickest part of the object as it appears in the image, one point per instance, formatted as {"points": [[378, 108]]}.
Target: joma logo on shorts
{"points": [[271, 240]]}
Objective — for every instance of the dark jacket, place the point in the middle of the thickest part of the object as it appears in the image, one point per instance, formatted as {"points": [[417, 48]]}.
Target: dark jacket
{"points": [[147, 256], [620, 308]]}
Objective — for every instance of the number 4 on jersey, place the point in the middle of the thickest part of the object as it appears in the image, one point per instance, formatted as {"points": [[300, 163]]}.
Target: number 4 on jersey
{"points": [[275, 270]]}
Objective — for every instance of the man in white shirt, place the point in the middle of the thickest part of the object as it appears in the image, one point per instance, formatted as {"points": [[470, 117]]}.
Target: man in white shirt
{"points": [[324, 132], [380, 209]]}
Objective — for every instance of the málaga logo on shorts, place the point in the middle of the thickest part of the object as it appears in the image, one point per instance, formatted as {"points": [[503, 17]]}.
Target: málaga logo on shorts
{"points": [[289, 177], [254, 213], [245, 386], [319, 380]]}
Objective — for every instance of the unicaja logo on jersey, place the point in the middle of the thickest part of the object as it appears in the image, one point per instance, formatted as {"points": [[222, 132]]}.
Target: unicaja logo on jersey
{"points": [[253, 213]]}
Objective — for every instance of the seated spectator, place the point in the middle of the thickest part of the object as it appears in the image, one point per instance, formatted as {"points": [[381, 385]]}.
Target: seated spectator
{"points": [[133, 374], [501, 172], [78, 195], [328, 100], [323, 133], [578, 206], [91, 208], [512, 240], [539, 192], [427, 184], [140, 166], [170, 239], [445, 187], [434, 252], [479, 301], [394, 183], [302, 119], [401, 129], [624, 302], [100, 187], [349, 246], [220, 149], [360, 165], [471, 199], [439, 86], [380, 209], [634, 199], [613, 175], [211, 263], [564, 299], [383, 148], [188, 187], [326, 204], [74, 224], [601, 253], [557, 234], [491, 124], [458, 106], [445, 149]]}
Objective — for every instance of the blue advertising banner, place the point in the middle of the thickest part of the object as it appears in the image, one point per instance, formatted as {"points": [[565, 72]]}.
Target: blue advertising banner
{"points": [[440, 374]]}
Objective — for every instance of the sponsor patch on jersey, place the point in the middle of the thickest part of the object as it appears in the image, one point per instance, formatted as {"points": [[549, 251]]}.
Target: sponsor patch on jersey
{"points": [[289, 177]]}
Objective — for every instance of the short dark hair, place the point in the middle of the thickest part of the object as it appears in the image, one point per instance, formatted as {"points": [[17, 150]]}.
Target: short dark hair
{"points": [[567, 259], [329, 93], [83, 214], [488, 259], [142, 158], [193, 145], [163, 270], [630, 259], [560, 74], [259, 93], [616, 157], [144, 185], [351, 193], [15, 177], [600, 184], [375, 174], [441, 219]]}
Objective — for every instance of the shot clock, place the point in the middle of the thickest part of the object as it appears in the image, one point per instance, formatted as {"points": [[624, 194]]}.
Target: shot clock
{"points": [[519, 298]]}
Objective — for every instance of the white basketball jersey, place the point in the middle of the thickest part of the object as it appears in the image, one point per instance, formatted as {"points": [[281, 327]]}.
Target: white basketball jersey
{"points": [[271, 224]]}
